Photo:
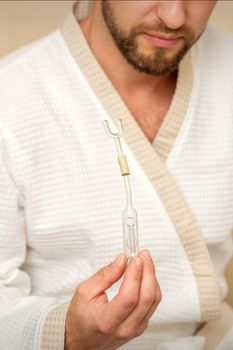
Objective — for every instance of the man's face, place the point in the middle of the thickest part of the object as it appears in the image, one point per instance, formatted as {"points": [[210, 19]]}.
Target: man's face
{"points": [[137, 25]]}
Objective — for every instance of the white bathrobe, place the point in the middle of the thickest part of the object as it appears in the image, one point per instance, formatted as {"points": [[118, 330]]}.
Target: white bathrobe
{"points": [[62, 196]]}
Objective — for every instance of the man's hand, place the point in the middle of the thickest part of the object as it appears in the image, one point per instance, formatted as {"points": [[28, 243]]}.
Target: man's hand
{"points": [[94, 323]]}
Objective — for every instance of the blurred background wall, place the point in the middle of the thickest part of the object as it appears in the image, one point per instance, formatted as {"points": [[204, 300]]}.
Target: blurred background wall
{"points": [[24, 21]]}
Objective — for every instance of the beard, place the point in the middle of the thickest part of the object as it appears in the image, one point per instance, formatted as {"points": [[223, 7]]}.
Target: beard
{"points": [[157, 62]]}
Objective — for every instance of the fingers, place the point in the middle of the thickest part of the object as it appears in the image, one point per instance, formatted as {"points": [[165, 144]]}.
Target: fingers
{"points": [[150, 296], [103, 279], [144, 323], [136, 301], [128, 296], [127, 315], [151, 310]]}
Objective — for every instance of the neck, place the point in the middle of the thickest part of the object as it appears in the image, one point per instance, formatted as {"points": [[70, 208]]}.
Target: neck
{"points": [[126, 79]]}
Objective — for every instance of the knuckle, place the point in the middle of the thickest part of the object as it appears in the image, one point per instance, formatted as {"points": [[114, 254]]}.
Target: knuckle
{"points": [[148, 299], [80, 290], [105, 328], [126, 334], [141, 329], [158, 297], [130, 302]]}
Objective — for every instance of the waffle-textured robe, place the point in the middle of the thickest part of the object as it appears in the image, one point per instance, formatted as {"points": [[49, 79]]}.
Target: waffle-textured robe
{"points": [[61, 193]]}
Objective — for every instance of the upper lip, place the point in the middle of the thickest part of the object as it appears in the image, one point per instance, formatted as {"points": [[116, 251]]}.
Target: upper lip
{"points": [[165, 37]]}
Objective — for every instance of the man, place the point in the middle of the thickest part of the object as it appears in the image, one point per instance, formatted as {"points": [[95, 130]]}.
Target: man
{"points": [[167, 75]]}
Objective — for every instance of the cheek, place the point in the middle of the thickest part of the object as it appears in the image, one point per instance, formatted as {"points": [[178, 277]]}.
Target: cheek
{"points": [[199, 15]]}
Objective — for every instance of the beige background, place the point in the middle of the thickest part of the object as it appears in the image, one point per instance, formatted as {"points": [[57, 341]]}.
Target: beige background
{"points": [[24, 21]]}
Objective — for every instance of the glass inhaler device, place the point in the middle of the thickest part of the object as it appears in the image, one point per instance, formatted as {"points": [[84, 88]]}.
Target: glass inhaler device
{"points": [[129, 214]]}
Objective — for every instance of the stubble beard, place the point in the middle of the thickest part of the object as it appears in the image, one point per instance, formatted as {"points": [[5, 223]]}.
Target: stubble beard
{"points": [[157, 63]]}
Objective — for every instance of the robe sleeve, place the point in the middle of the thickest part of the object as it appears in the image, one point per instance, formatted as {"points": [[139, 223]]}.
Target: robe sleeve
{"points": [[26, 320]]}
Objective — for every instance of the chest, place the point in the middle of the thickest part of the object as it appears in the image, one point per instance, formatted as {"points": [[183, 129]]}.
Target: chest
{"points": [[149, 119], [75, 186], [75, 195], [150, 123], [150, 113]]}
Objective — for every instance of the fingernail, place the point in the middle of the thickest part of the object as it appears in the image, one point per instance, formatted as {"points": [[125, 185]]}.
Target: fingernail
{"points": [[146, 254], [119, 260], [138, 262]]}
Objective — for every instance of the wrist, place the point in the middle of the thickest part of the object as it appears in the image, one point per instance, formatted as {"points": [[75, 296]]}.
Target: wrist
{"points": [[70, 343]]}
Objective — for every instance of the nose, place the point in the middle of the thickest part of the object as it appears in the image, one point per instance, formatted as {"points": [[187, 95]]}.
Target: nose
{"points": [[172, 13]]}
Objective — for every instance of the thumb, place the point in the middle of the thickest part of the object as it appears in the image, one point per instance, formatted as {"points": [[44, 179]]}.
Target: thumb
{"points": [[106, 277]]}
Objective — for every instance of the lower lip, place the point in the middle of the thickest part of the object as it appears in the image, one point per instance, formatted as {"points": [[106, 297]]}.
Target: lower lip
{"points": [[161, 42]]}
